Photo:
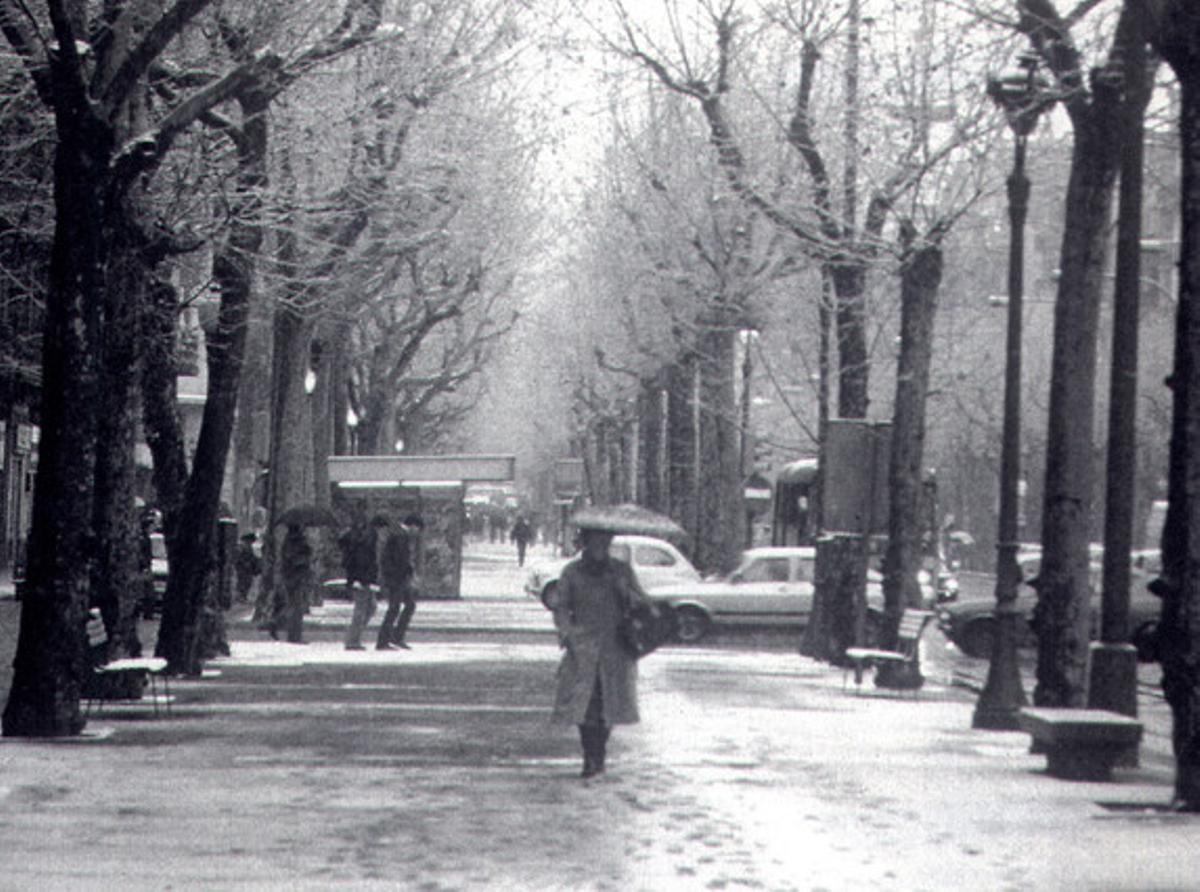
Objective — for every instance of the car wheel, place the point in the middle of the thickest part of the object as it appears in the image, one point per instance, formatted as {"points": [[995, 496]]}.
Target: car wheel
{"points": [[976, 639], [693, 624], [550, 596]]}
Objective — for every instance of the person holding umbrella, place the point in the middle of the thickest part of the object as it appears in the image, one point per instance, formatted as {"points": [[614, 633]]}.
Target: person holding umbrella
{"points": [[247, 566], [295, 570], [597, 678]]}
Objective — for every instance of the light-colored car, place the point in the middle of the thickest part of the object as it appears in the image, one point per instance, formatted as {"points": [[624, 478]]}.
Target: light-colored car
{"points": [[771, 587], [656, 563]]}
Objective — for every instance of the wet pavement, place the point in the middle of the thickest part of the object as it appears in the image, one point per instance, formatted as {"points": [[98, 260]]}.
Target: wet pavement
{"points": [[310, 767]]}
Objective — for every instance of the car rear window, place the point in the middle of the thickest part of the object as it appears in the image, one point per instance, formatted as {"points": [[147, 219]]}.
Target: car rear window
{"points": [[649, 556], [766, 570]]}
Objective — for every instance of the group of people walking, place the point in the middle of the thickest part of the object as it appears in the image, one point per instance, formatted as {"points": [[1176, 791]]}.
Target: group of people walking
{"points": [[366, 563], [369, 566]]}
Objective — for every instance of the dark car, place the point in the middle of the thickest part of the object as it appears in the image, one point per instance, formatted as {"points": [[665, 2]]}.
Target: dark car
{"points": [[971, 625]]}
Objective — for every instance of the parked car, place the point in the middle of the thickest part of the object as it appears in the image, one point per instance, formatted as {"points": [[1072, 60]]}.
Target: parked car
{"points": [[770, 587], [944, 581], [971, 625], [656, 562]]}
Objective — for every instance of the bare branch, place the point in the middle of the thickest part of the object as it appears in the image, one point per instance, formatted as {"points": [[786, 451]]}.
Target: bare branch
{"points": [[165, 29]]}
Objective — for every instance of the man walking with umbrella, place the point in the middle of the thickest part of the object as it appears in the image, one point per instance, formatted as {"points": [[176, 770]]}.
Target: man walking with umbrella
{"points": [[295, 568]]}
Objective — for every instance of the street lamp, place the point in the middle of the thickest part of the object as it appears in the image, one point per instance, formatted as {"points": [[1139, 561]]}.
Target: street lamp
{"points": [[1022, 97]]}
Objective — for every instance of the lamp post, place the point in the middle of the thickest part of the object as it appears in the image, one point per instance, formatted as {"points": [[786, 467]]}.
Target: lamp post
{"points": [[1022, 97]]}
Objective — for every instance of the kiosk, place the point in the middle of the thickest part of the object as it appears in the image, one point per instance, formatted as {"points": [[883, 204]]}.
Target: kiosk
{"points": [[432, 486]]}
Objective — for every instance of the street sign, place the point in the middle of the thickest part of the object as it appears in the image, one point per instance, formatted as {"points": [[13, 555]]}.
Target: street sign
{"points": [[856, 487]]}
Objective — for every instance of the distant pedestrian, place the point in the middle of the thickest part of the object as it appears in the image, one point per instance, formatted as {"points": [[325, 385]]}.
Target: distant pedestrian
{"points": [[597, 679], [247, 566], [522, 532], [396, 565], [358, 558], [295, 570]]}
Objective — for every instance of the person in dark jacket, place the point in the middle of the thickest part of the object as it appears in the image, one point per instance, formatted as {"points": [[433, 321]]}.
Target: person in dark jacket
{"points": [[358, 557], [295, 570], [246, 565], [521, 533], [397, 569]]}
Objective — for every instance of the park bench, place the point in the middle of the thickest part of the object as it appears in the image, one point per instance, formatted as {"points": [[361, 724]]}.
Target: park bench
{"points": [[151, 668], [1080, 744], [908, 637]]}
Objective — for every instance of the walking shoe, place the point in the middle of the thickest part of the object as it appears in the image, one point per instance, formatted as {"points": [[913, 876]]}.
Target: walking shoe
{"points": [[401, 644], [355, 647], [385, 646]]}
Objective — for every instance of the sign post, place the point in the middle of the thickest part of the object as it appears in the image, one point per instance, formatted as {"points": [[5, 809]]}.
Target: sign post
{"points": [[568, 486]]}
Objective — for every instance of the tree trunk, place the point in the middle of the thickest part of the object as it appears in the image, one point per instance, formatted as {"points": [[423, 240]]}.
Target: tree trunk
{"points": [[290, 481], [1175, 33], [1180, 635], [718, 497], [650, 430], [1064, 590], [51, 661], [849, 277], [191, 521], [1113, 671], [842, 569], [681, 443], [117, 582], [920, 279]]}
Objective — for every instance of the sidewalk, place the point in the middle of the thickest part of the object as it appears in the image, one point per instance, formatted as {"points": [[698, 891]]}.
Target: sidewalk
{"points": [[309, 767]]}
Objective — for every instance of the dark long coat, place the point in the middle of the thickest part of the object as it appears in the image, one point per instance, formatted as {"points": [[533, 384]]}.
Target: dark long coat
{"points": [[590, 605]]}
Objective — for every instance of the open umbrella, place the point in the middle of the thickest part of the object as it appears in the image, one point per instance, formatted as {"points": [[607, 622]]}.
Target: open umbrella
{"points": [[307, 516], [628, 518], [962, 537]]}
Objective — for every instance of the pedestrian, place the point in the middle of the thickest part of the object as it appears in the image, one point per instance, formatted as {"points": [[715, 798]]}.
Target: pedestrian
{"points": [[522, 532], [295, 568], [247, 566], [597, 678], [358, 558], [399, 583]]}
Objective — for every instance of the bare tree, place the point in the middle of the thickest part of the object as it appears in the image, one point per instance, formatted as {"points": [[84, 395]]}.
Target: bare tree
{"points": [[1173, 28], [1095, 111], [93, 78]]}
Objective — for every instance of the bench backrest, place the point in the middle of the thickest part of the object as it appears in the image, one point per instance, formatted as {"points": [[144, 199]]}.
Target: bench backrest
{"points": [[912, 624]]}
